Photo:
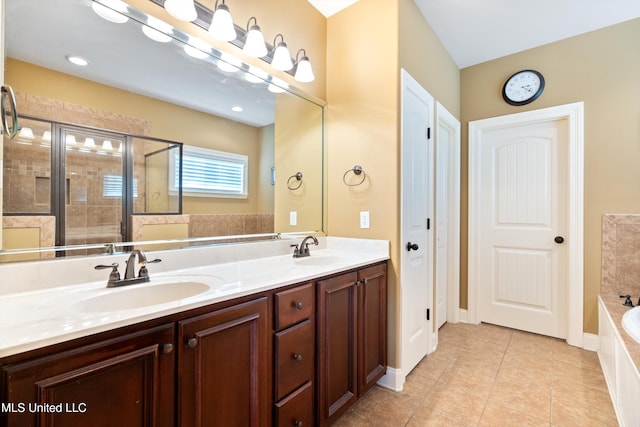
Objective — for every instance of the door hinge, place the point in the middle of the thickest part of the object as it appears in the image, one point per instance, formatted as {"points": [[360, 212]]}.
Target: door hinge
{"points": [[428, 314], [428, 133], [428, 223]]}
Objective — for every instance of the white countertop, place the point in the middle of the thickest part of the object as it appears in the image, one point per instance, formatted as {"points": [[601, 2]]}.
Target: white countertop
{"points": [[39, 315]]}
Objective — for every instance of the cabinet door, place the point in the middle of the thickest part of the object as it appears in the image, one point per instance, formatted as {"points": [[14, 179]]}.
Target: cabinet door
{"points": [[126, 381], [337, 383], [223, 362], [372, 326]]}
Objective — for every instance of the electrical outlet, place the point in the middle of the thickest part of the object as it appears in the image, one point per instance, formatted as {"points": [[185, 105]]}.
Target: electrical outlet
{"points": [[293, 218], [364, 219]]}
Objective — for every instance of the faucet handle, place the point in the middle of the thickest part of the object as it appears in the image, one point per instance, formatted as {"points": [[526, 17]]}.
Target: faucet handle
{"points": [[296, 251], [114, 276], [627, 301], [143, 272]]}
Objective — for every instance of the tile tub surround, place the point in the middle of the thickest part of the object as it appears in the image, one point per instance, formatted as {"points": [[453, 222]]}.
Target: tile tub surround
{"points": [[621, 255], [42, 300]]}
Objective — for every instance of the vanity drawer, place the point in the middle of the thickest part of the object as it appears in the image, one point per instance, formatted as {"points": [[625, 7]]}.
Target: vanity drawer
{"points": [[293, 305], [294, 358], [297, 409]]}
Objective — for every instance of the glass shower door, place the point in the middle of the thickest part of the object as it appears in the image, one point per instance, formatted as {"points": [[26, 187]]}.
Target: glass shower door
{"points": [[92, 194]]}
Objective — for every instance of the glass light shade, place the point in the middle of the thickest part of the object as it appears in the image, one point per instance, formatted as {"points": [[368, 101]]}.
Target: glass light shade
{"points": [[106, 145], [157, 30], [70, 140], [89, 143], [46, 136], [184, 10], [255, 45], [282, 58], [26, 133], [112, 12], [277, 86], [229, 63], [222, 25], [197, 48], [256, 75], [304, 73]]}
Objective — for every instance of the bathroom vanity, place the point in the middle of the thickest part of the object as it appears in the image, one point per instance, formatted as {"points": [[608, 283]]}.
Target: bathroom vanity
{"points": [[274, 341]]}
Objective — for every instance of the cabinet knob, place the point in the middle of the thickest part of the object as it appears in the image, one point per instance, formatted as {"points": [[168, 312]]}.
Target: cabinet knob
{"points": [[297, 357], [192, 343], [297, 423], [167, 348], [299, 305]]}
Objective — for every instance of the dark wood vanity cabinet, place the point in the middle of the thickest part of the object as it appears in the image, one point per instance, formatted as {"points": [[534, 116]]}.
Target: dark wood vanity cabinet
{"points": [[224, 367], [294, 356], [352, 334], [128, 380]]}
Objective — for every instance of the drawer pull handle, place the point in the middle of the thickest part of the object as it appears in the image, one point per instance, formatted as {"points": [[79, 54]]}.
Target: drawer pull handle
{"points": [[299, 305], [297, 423], [167, 348], [192, 343], [297, 357]]}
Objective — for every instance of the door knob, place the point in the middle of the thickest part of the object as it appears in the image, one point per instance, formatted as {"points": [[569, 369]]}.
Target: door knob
{"points": [[412, 246], [559, 239]]}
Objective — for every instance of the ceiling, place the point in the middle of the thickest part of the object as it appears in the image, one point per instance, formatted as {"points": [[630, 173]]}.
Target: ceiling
{"points": [[479, 31]]}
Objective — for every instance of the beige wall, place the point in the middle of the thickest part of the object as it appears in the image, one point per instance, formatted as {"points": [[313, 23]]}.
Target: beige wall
{"points": [[367, 44], [601, 69]]}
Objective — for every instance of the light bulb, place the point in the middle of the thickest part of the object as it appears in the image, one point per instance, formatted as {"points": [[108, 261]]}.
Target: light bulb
{"points": [[304, 73], [254, 44], [281, 57], [184, 10], [222, 27]]}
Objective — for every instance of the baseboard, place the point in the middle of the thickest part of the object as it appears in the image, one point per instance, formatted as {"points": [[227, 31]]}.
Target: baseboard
{"points": [[463, 315], [590, 342], [393, 379]]}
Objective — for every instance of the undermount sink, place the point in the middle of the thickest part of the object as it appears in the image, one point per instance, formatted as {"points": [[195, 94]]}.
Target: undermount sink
{"points": [[631, 323], [138, 296]]}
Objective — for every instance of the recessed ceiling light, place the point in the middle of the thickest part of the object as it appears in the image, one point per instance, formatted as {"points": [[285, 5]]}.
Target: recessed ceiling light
{"points": [[77, 60], [237, 109]]}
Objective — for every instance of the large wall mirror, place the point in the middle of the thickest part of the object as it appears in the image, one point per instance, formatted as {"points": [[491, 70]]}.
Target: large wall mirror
{"points": [[147, 93]]}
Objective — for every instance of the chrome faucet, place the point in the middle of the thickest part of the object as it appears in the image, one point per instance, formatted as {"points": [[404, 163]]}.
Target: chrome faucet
{"points": [[129, 274], [303, 249]]}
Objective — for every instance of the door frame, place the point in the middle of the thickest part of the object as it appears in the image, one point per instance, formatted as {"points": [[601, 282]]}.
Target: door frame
{"points": [[574, 114], [452, 166]]}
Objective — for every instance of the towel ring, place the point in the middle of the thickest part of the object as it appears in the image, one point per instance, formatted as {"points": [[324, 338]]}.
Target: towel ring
{"points": [[357, 170], [298, 177]]}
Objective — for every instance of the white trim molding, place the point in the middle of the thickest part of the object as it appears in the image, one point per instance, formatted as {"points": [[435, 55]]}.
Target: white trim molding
{"points": [[574, 114], [393, 379]]}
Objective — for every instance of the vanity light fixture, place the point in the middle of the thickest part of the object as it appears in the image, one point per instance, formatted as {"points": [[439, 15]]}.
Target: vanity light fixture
{"points": [[106, 145], [46, 136], [281, 57], [197, 48], [256, 75], [89, 143], [111, 10], [26, 132], [304, 73], [77, 60], [277, 86], [222, 27], [184, 10], [229, 63], [70, 140], [157, 30], [254, 44]]}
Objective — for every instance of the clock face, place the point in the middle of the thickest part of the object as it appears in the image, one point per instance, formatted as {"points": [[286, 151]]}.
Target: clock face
{"points": [[523, 87]]}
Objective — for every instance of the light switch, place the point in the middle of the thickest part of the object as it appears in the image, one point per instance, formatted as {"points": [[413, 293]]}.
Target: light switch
{"points": [[364, 219], [293, 218]]}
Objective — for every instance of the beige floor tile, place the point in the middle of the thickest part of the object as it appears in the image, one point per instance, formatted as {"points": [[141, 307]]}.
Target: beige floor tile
{"points": [[485, 375]]}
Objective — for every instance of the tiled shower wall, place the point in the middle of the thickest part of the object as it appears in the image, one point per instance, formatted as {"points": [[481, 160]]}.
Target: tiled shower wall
{"points": [[621, 254]]}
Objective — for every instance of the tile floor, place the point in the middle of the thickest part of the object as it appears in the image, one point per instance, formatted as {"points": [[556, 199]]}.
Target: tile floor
{"points": [[485, 375]]}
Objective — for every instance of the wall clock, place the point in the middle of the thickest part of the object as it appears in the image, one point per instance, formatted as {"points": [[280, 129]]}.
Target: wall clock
{"points": [[523, 87]]}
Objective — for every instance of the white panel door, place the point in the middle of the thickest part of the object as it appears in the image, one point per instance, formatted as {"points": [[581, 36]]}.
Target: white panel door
{"points": [[417, 204], [523, 223]]}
